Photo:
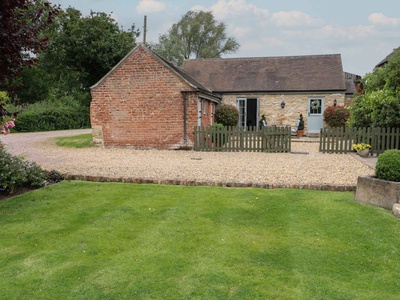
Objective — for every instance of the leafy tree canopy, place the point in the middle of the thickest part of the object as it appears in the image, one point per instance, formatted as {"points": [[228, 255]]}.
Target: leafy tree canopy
{"points": [[196, 35], [22, 23], [379, 104], [87, 46]]}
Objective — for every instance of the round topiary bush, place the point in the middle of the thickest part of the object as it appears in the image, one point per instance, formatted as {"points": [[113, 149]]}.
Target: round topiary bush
{"points": [[388, 165], [227, 115], [336, 116]]}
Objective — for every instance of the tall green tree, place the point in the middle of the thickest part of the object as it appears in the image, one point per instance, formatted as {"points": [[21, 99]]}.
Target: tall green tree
{"points": [[82, 49], [196, 35], [87, 46], [379, 104]]}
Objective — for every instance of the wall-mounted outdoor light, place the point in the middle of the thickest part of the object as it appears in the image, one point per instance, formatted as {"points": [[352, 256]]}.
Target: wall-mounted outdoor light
{"points": [[283, 104], [334, 102]]}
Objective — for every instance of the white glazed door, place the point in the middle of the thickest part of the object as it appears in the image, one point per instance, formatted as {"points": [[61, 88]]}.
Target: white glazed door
{"points": [[315, 119]]}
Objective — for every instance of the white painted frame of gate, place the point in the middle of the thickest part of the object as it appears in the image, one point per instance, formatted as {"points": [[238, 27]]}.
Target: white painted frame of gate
{"points": [[315, 121]]}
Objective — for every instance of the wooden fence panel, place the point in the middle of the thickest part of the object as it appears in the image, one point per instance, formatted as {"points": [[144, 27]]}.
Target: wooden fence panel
{"points": [[232, 139], [341, 140]]}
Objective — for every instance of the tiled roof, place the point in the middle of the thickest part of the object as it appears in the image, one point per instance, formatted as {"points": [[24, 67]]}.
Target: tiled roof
{"points": [[269, 74], [386, 59], [181, 73]]}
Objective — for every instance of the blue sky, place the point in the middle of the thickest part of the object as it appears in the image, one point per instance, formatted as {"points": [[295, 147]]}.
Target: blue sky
{"points": [[362, 31]]}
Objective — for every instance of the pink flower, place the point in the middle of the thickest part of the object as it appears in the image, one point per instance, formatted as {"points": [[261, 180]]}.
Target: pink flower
{"points": [[5, 128], [10, 124]]}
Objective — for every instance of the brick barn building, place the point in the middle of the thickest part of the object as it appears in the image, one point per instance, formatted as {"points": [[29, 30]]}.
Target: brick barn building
{"points": [[146, 102]]}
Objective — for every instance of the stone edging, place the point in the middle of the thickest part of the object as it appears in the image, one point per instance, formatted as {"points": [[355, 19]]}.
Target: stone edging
{"points": [[195, 182]]}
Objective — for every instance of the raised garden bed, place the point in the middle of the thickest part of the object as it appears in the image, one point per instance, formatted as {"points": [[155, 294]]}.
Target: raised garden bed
{"points": [[382, 193]]}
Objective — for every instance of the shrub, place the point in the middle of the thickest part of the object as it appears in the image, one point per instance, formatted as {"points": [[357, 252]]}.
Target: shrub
{"points": [[53, 115], [388, 165], [227, 115], [53, 176], [218, 136], [336, 116], [16, 173]]}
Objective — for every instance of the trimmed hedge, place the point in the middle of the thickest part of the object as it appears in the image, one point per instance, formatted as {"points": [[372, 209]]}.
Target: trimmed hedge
{"points": [[388, 165], [47, 116]]}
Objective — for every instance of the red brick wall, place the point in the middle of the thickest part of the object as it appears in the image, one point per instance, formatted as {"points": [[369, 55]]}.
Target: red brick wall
{"points": [[140, 104]]}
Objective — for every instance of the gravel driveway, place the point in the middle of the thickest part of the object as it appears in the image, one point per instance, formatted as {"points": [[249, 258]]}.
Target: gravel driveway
{"points": [[264, 169]]}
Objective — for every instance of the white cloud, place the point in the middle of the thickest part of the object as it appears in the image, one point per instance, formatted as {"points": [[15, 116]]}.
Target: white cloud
{"points": [[381, 19], [236, 8], [349, 33], [225, 9], [330, 32], [239, 32], [148, 6], [294, 18]]}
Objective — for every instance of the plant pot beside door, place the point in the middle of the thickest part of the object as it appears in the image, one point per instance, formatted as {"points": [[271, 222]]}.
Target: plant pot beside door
{"points": [[300, 129]]}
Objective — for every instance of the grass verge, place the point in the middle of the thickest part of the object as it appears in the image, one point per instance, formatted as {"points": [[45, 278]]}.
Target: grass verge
{"points": [[76, 141], [80, 240]]}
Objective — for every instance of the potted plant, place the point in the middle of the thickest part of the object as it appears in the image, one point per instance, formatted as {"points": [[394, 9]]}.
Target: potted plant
{"points": [[300, 129], [263, 122], [362, 149]]}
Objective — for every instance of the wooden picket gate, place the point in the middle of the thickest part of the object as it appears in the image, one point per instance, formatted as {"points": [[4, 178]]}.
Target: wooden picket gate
{"points": [[235, 139], [341, 140]]}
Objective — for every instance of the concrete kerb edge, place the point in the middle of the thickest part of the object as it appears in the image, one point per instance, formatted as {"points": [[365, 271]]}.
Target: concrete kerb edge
{"points": [[195, 182], [362, 160]]}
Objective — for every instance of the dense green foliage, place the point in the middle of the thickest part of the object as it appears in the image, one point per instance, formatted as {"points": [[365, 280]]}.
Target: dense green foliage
{"points": [[65, 113], [217, 136], [82, 240], [227, 115], [84, 48], [388, 165], [7, 108], [336, 116], [80, 51], [196, 35], [379, 105], [16, 173]]}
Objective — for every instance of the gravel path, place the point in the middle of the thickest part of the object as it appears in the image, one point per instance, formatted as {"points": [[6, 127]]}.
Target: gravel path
{"points": [[281, 169]]}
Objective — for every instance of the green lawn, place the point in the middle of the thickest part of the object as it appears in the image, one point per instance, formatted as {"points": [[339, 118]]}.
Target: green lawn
{"points": [[76, 141], [78, 240]]}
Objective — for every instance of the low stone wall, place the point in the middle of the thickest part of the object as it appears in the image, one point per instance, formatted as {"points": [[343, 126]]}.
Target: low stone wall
{"points": [[382, 193]]}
